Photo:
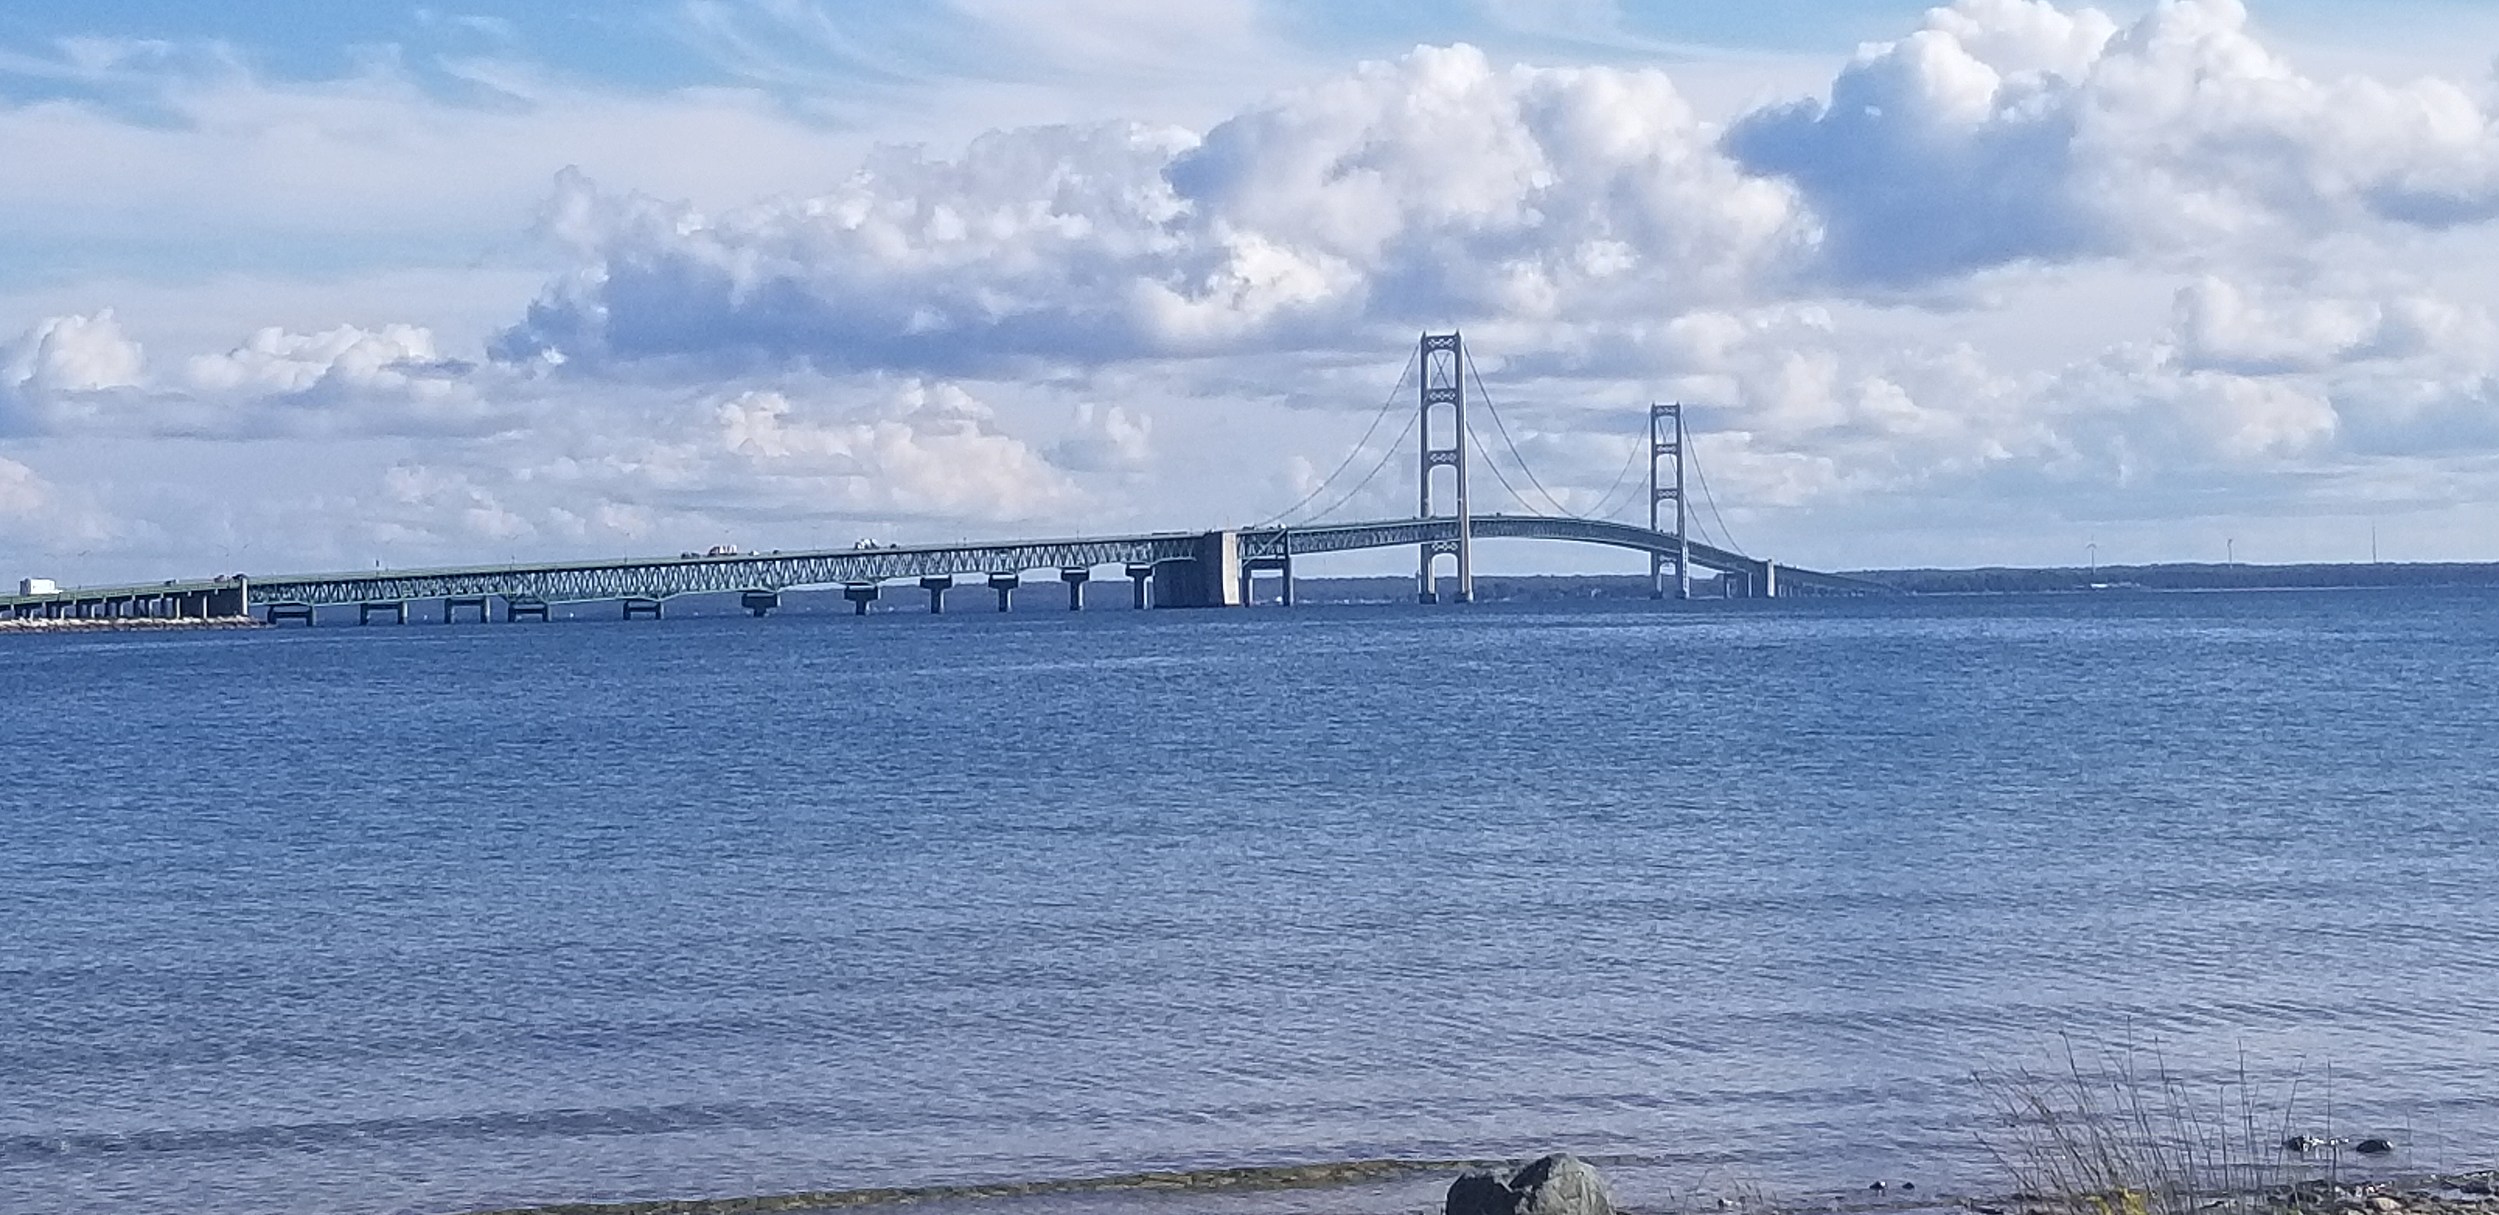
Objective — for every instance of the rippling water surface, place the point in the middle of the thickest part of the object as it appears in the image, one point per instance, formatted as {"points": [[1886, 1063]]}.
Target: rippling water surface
{"points": [[436, 919]]}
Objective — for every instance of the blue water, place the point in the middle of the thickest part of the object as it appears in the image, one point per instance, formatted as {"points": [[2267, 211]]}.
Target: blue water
{"points": [[434, 919]]}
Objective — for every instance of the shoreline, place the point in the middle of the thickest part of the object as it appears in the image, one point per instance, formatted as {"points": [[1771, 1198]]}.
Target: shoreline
{"points": [[2344, 1190], [128, 624]]}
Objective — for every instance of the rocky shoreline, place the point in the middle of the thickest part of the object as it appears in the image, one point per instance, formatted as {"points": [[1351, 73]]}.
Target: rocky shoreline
{"points": [[1562, 1184], [128, 624]]}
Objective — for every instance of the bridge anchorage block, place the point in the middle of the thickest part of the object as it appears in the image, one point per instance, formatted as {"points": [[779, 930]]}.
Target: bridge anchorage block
{"points": [[641, 606], [1005, 585], [1141, 586], [759, 603], [860, 594], [937, 585], [523, 608], [279, 612], [454, 604]]}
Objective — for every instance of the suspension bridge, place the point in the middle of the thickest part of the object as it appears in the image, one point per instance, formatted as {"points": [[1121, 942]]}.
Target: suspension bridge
{"points": [[1165, 569]]}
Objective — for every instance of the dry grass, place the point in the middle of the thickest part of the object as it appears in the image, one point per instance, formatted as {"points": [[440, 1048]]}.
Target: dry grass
{"points": [[2118, 1132]]}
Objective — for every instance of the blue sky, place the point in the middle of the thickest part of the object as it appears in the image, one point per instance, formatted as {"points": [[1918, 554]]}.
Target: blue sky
{"points": [[1977, 283], [646, 43]]}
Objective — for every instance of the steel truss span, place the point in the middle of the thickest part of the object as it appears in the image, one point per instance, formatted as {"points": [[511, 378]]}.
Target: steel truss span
{"points": [[670, 577], [1348, 537], [665, 578]]}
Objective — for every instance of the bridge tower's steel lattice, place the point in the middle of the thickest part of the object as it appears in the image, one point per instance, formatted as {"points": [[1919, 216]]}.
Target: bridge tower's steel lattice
{"points": [[1665, 440], [1443, 384]]}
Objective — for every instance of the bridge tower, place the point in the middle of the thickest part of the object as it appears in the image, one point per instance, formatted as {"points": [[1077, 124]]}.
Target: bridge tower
{"points": [[1666, 439], [1443, 383]]}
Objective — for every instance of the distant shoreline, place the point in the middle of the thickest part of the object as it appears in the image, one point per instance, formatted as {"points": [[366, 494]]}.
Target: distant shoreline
{"points": [[1979, 580], [2190, 576]]}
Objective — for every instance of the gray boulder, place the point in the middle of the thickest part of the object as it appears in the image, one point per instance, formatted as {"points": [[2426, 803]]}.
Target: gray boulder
{"points": [[1479, 1193], [1559, 1184]]}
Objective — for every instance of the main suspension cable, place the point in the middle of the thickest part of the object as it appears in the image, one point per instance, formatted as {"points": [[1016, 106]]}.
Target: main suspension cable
{"points": [[1515, 495], [1693, 452], [1350, 456], [1359, 486], [1504, 428], [1606, 506]]}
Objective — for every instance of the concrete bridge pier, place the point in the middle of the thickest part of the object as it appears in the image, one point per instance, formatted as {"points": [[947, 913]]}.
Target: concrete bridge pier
{"points": [[366, 611], [1140, 582], [1005, 585], [937, 585], [1075, 580], [452, 605], [642, 606], [860, 594], [1762, 583], [759, 603], [522, 608], [280, 612], [1279, 565]]}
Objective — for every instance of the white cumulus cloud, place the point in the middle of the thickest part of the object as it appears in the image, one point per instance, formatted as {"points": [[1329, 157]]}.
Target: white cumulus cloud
{"points": [[1414, 191], [2008, 131]]}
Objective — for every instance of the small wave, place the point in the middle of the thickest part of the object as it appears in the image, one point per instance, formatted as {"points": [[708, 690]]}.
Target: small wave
{"points": [[640, 1120]]}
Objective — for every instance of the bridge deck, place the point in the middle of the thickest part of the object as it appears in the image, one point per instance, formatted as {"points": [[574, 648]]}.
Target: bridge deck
{"points": [[665, 577]]}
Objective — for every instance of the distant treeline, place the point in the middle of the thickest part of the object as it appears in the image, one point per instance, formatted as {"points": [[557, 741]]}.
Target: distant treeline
{"points": [[1991, 581], [2185, 577]]}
